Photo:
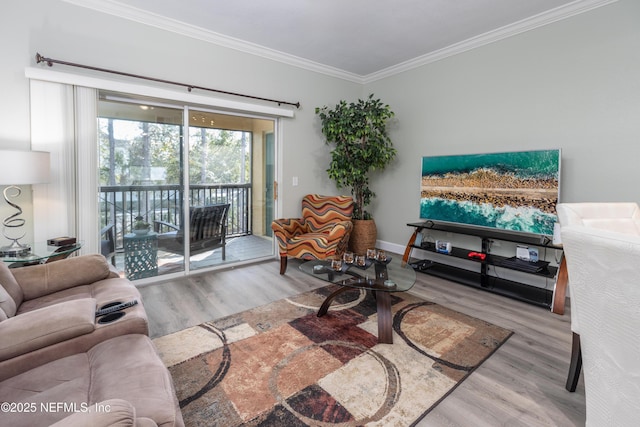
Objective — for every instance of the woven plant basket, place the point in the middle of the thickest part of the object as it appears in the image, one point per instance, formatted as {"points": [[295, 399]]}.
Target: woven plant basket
{"points": [[363, 236]]}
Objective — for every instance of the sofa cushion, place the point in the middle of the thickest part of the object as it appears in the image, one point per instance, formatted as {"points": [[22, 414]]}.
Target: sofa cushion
{"points": [[7, 304], [47, 326], [65, 380], [125, 367], [110, 413], [133, 322]]}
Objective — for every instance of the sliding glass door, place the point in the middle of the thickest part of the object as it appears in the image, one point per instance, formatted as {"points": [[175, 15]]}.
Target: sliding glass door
{"points": [[198, 178]]}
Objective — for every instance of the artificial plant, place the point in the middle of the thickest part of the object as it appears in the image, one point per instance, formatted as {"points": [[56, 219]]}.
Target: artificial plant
{"points": [[358, 133]]}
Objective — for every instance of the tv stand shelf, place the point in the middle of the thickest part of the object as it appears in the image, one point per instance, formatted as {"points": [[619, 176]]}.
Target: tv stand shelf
{"points": [[553, 299]]}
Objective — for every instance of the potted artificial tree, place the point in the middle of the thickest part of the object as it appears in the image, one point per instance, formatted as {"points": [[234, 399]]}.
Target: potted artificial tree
{"points": [[358, 134]]}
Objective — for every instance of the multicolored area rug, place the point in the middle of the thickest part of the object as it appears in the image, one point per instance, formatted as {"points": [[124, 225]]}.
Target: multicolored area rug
{"points": [[281, 365]]}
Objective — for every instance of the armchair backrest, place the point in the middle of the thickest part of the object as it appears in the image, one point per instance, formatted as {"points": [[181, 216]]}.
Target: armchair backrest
{"points": [[604, 273], [321, 212], [619, 216]]}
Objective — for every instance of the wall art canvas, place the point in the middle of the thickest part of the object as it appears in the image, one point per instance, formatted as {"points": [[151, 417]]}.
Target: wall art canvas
{"points": [[515, 191]]}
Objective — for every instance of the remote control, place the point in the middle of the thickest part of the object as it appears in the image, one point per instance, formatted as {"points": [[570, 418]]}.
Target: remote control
{"points": [[115, 308]]}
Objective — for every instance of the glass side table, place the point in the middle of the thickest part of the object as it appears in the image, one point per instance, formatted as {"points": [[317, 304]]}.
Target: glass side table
{"points": [[42, 253], [140, 255]]}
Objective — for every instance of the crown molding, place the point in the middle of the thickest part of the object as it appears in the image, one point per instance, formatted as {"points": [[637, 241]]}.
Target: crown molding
{"points": [[563, 12], [131, 13], [120, 10]]}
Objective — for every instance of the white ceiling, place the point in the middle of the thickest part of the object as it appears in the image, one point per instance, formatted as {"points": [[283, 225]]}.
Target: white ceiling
{"points": [[354, 39]]}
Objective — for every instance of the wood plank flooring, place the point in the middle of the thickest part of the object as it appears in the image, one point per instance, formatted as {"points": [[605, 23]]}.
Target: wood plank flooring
{"points": [[522, 384]]}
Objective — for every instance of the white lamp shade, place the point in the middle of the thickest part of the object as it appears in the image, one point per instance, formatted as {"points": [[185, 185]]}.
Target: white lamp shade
{"points": [[24, 167]]}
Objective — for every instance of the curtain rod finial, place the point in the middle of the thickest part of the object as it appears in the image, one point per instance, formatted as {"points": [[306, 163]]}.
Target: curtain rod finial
{"points": [[40, 58]]}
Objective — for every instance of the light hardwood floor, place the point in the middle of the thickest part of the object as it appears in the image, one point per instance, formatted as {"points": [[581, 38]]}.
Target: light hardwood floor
{"points": [[522, 384]]}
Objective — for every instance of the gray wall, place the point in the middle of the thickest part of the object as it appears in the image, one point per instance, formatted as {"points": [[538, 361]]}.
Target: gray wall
{"points": [[60, 30], [572, 85]]}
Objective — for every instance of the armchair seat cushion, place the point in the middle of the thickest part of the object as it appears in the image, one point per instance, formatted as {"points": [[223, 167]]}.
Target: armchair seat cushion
{"points": [[308, 245]]}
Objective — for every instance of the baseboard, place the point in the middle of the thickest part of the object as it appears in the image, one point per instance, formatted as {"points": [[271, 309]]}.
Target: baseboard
{"points": [[391, 247]]}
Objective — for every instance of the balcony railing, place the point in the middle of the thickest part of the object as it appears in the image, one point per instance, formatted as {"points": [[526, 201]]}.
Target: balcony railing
{"points": [[121, 204]]}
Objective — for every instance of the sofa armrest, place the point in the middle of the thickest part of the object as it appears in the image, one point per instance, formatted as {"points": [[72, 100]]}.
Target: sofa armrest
{"points": [[46, 279], [46, 326], [112, 412]]}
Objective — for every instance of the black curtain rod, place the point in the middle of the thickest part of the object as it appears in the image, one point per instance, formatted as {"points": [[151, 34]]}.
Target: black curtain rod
{"points": [[50, 62]]}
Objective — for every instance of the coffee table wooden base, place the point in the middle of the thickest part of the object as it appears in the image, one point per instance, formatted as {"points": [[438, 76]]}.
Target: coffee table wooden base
{"points": [[385, 319]]}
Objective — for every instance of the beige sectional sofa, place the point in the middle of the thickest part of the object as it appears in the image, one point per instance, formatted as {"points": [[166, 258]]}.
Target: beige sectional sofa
{"points": [[54, 350]]}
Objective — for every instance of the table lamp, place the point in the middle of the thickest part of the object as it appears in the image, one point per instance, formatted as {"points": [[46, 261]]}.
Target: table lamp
{"points": [[19, 168]]}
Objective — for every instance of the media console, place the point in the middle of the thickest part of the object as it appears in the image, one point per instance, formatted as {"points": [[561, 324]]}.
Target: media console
{"points": [[487, 278]]}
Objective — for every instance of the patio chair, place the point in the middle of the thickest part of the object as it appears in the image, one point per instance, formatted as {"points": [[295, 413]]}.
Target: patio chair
{"points": [[108, 243], [207, 231], [322, 232]]}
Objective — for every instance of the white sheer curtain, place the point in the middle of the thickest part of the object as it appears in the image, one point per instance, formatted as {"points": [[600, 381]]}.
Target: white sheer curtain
{"points": [[87, 217], [63, 122]]}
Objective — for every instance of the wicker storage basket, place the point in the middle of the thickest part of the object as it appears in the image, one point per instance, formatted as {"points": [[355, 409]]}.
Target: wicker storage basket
{"points": [[363, 236]]}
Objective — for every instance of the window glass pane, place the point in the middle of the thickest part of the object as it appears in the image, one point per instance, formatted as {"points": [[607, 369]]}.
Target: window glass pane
{"points": [[140, 164], [227, 168]]}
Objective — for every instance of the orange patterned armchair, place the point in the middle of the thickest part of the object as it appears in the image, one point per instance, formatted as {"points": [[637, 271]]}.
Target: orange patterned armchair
{"points": [[322, 232]]}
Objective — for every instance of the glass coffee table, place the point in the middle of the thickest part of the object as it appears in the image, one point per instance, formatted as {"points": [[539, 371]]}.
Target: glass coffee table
{"points": [[381, 278]]}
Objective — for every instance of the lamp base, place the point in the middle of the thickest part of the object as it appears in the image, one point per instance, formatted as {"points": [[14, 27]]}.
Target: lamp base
{"points": [[15, 249]]}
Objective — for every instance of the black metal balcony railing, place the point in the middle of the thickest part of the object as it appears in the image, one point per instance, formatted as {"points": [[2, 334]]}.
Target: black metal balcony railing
{"points": [[121, 204]]}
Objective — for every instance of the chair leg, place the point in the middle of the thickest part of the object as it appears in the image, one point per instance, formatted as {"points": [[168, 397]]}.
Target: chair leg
{"points": [[576, 364], [283, 264]]}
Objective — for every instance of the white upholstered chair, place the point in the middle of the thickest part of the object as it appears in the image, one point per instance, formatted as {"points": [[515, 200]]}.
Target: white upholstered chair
{"points": [[602, 247]]}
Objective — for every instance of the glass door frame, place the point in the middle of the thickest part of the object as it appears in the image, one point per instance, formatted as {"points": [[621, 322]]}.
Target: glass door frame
{"points": [[185, 148]]}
